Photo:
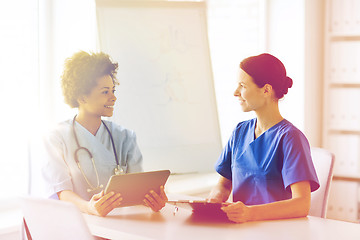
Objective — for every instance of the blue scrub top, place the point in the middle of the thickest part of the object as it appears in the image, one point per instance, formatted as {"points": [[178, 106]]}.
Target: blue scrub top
{"points": [[263, 169]]}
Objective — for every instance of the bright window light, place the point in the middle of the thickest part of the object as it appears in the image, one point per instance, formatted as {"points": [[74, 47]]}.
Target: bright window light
{"points": [[18, 90]]}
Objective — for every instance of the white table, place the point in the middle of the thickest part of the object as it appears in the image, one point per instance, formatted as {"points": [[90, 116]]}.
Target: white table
{"points": [[141, 223]]}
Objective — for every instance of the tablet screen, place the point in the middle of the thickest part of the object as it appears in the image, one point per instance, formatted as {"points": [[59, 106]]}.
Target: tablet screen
{"points": [[134, 186]]}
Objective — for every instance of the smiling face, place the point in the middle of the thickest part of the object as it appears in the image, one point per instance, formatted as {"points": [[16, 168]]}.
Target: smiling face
{"points": [[251, 97], [100, 101]]}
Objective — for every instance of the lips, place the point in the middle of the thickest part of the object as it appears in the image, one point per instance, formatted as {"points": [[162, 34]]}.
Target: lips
{"points": [[109, 106]]}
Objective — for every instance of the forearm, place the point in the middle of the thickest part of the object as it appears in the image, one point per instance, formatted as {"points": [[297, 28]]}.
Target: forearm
{"points": [[70, 196], [222, 190], [291, 208], [297, 206]]}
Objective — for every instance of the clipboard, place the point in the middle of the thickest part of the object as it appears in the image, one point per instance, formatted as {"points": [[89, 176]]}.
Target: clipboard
{"points": [[134, 186], [198, 206]]}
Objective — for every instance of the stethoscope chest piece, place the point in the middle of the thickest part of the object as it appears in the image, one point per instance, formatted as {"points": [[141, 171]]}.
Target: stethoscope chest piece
{"points": [[118, 170]]}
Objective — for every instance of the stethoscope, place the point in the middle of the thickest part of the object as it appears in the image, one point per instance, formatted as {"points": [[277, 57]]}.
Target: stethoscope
{"points": [[118, 169]]}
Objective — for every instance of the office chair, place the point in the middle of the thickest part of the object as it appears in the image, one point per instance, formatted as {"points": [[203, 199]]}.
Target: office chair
{"points": [[53, 219], [324, 165]]}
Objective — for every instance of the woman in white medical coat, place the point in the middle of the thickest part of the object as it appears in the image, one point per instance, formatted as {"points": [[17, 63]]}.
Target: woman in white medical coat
{"points": [[82, 153]]}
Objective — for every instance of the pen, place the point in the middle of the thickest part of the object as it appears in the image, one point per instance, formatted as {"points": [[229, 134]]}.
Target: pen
{"points": [[175, 210]]}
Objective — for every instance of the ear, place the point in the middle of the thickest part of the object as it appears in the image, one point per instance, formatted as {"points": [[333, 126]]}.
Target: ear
{"points": [[268, 89], [81, 100]]}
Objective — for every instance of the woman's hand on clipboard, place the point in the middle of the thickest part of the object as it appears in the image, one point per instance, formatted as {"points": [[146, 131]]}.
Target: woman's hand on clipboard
{"points": [[237, 212], [101, 204], [155, 201]]}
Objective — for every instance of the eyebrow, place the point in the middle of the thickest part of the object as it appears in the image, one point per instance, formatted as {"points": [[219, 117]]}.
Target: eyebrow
{"points": [[107, 87]]}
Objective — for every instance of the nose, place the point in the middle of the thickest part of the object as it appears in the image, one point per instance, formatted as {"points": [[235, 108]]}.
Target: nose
{"points": [[237, 92], [113, 97]]}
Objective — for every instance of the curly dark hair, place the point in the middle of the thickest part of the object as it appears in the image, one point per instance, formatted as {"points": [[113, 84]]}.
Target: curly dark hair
{"points": [[81, 72]]}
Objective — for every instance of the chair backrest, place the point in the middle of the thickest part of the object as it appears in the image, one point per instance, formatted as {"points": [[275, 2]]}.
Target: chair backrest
{"points": [[324, 165], [54, 219]]}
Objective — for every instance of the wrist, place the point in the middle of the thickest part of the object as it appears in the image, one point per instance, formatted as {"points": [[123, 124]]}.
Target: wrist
{"points": [[251, 213], [89, 209]]}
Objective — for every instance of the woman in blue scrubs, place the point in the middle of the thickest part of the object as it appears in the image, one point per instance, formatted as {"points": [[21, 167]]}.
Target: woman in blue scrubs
{"points": [[83, 152], [266, 163]]}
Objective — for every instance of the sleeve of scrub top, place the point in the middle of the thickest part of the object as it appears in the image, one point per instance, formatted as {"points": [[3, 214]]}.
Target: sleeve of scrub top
{"points": [[134, 157], [223, 164], [55, 171], [298, 165]]}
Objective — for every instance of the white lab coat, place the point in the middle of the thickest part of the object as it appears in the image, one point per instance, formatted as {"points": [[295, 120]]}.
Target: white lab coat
{"points": [[60, 171]]}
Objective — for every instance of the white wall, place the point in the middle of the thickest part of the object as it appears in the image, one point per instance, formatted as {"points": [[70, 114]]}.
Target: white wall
{"points": [[295, 35], [314, 65], [236, 31], [285, 40]]}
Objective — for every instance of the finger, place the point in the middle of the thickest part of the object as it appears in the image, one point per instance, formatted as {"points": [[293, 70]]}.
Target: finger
{"points": [[117, 203], [234, 217], [107, 201], [225, 204], [163, 194], [230, 207], [97, 196], [159, 201], [150, 199], [111, 206], [233, 211], [113, 199], [226, 209], [145, 203], [103, 210], [103, 213], [106, 197], [157, 198], [152, 203], [148, 204]]}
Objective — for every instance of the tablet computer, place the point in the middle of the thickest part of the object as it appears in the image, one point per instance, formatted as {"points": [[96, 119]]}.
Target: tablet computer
{"points": [[134, 186]]}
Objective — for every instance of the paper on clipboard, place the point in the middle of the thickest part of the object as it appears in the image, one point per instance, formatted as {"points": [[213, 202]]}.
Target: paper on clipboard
{"points": [[197, 206]]}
